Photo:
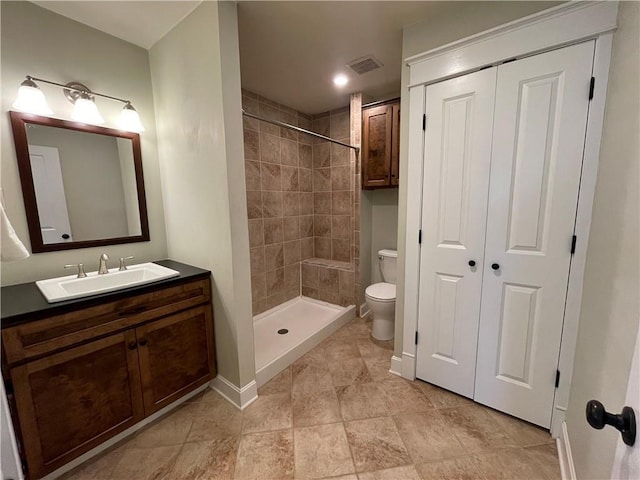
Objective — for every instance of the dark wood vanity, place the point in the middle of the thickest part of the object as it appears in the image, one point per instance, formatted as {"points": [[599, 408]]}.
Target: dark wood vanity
{"points": [[81, 371]]}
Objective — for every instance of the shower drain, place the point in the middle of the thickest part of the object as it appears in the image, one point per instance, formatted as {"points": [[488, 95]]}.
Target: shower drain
{"points": [[283, 331]]}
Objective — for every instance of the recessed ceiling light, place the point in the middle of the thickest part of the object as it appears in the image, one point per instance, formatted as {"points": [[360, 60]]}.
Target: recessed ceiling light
{"points": [[340, 80]]}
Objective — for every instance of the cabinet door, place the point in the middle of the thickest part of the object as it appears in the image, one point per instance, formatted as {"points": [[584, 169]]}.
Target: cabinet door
{"points": [[176, 356], [457, 156], [70, 402], [395, 145], [538, 140], [376, 140]]}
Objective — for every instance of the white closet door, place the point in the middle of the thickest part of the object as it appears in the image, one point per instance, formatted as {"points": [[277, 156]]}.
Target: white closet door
{"points": [[456, 179], [538, 137]]}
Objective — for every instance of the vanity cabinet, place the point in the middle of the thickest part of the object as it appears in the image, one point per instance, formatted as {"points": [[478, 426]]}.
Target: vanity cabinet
{"points": [[381, 145], [81, 376]]}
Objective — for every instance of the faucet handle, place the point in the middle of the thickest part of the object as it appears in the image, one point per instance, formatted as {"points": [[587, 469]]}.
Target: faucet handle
{"points": [[123, 265], [80, 267]]}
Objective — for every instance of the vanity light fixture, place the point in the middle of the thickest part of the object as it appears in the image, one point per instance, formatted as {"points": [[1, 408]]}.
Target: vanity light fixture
{"points": [[31, 100], [85, 110]]}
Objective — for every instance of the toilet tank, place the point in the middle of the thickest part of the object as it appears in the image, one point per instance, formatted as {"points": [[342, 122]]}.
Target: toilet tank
{"points": [[388, 262]]}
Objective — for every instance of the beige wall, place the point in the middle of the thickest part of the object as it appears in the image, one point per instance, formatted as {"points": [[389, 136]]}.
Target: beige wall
{"points": [[366, 241], [130, 192], [384, 226], [453, 21], [201, 157], [38, 42], [610, 308]]}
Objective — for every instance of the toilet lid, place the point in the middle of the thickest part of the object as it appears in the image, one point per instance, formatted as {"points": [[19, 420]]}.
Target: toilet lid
{"points": [[381, 291]]}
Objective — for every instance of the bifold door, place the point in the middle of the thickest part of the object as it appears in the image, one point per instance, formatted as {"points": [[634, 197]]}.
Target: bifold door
{"points": [[454, 216], [512, 306]]}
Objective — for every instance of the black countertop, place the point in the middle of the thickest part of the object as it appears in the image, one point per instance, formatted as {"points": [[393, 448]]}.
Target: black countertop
{"points": [[24, 303]]}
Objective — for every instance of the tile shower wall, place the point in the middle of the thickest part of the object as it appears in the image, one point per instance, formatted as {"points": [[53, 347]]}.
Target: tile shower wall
{"points": [[278, 171], [332, 187], [329, 276], [356, 139], [300, 203]]}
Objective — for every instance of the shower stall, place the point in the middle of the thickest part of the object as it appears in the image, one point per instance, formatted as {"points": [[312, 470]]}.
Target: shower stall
{"points": [[303, 191]]}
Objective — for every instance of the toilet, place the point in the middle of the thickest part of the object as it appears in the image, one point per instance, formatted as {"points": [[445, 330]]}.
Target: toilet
{"points": [[381, 297]]}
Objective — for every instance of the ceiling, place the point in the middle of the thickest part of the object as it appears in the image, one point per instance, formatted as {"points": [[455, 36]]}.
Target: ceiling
{"points": [[142, 23], [289, 50]]}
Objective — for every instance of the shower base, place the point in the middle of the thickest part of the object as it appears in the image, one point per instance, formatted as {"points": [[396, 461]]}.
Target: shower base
{"points": [[307, 321]]}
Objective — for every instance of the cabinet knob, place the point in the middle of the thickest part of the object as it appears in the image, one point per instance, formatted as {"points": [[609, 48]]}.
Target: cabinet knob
{"points": [[472, 263], [495, 266], [142, 342], [132, 345]]}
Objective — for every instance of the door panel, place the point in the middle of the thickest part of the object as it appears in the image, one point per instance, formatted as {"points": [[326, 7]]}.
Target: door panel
{"points": [[376, 136], [176, 356], [456, 178], [539, 127], [72, 401], [528, 215]]}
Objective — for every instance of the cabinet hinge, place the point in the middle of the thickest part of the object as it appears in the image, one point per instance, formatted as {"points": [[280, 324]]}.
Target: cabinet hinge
{"points": [[416, 338], [573, 244], [557, 378], [424, 121], [420, 236], [592, 87]]}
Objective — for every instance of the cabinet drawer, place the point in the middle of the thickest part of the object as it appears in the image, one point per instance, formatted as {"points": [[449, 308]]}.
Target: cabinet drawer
{"points": [[40, 337]]}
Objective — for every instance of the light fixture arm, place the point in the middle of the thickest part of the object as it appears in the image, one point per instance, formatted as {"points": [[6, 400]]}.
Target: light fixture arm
{"points": [[79, 90]]}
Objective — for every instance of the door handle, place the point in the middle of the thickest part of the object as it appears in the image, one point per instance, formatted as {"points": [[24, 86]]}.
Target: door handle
{"points": [[132, 345], [472, 263], [495, 266], [624, 422]]}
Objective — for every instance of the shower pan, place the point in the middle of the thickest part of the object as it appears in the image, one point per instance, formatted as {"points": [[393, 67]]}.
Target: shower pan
{"points": [[288, 331]]}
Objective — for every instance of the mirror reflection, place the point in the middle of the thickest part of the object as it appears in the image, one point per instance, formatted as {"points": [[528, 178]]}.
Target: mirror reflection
{"points": [[85, 181]]}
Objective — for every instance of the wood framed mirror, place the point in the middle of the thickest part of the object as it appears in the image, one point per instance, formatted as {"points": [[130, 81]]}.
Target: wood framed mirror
{"points": [[82, 184]]}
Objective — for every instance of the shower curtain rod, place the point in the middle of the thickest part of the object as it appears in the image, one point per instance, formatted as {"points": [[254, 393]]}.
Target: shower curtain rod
{"points": [[302, 130]]}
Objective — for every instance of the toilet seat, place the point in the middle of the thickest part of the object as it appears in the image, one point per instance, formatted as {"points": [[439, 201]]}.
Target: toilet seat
{"points": [[381, 292]]}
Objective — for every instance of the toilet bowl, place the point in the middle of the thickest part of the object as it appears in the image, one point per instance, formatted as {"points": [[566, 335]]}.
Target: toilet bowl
{"points": [[381, 297]]}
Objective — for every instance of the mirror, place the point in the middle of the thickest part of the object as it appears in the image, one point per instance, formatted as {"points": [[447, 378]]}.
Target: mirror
{"points": [[82, 184]]}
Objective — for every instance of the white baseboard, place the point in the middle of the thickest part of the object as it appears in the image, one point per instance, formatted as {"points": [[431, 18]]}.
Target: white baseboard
{"points": [[408, 366], [241, 398], [121, 436], [567, 469], [396, 366]]}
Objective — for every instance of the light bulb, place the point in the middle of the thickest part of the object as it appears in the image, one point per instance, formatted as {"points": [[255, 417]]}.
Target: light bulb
{"points": [[129, 119], [86, 111], [340, 80], [31, 99]]}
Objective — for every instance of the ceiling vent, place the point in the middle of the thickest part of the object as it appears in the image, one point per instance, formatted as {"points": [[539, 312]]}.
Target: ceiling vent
{"points": [[364, 64]]}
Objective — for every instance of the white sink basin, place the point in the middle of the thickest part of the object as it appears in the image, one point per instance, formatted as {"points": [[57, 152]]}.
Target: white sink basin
{"points": [[70, 287]]}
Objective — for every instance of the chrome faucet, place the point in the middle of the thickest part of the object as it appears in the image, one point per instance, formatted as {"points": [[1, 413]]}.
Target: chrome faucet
{"points": [[102, 269]]}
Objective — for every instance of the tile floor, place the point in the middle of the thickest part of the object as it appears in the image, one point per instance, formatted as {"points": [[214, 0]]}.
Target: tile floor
{"points": [[335, 413]]}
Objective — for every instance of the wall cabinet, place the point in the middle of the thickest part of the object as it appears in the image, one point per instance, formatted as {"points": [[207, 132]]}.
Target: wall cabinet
{"points": [[381, 145], [80, 377]]}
